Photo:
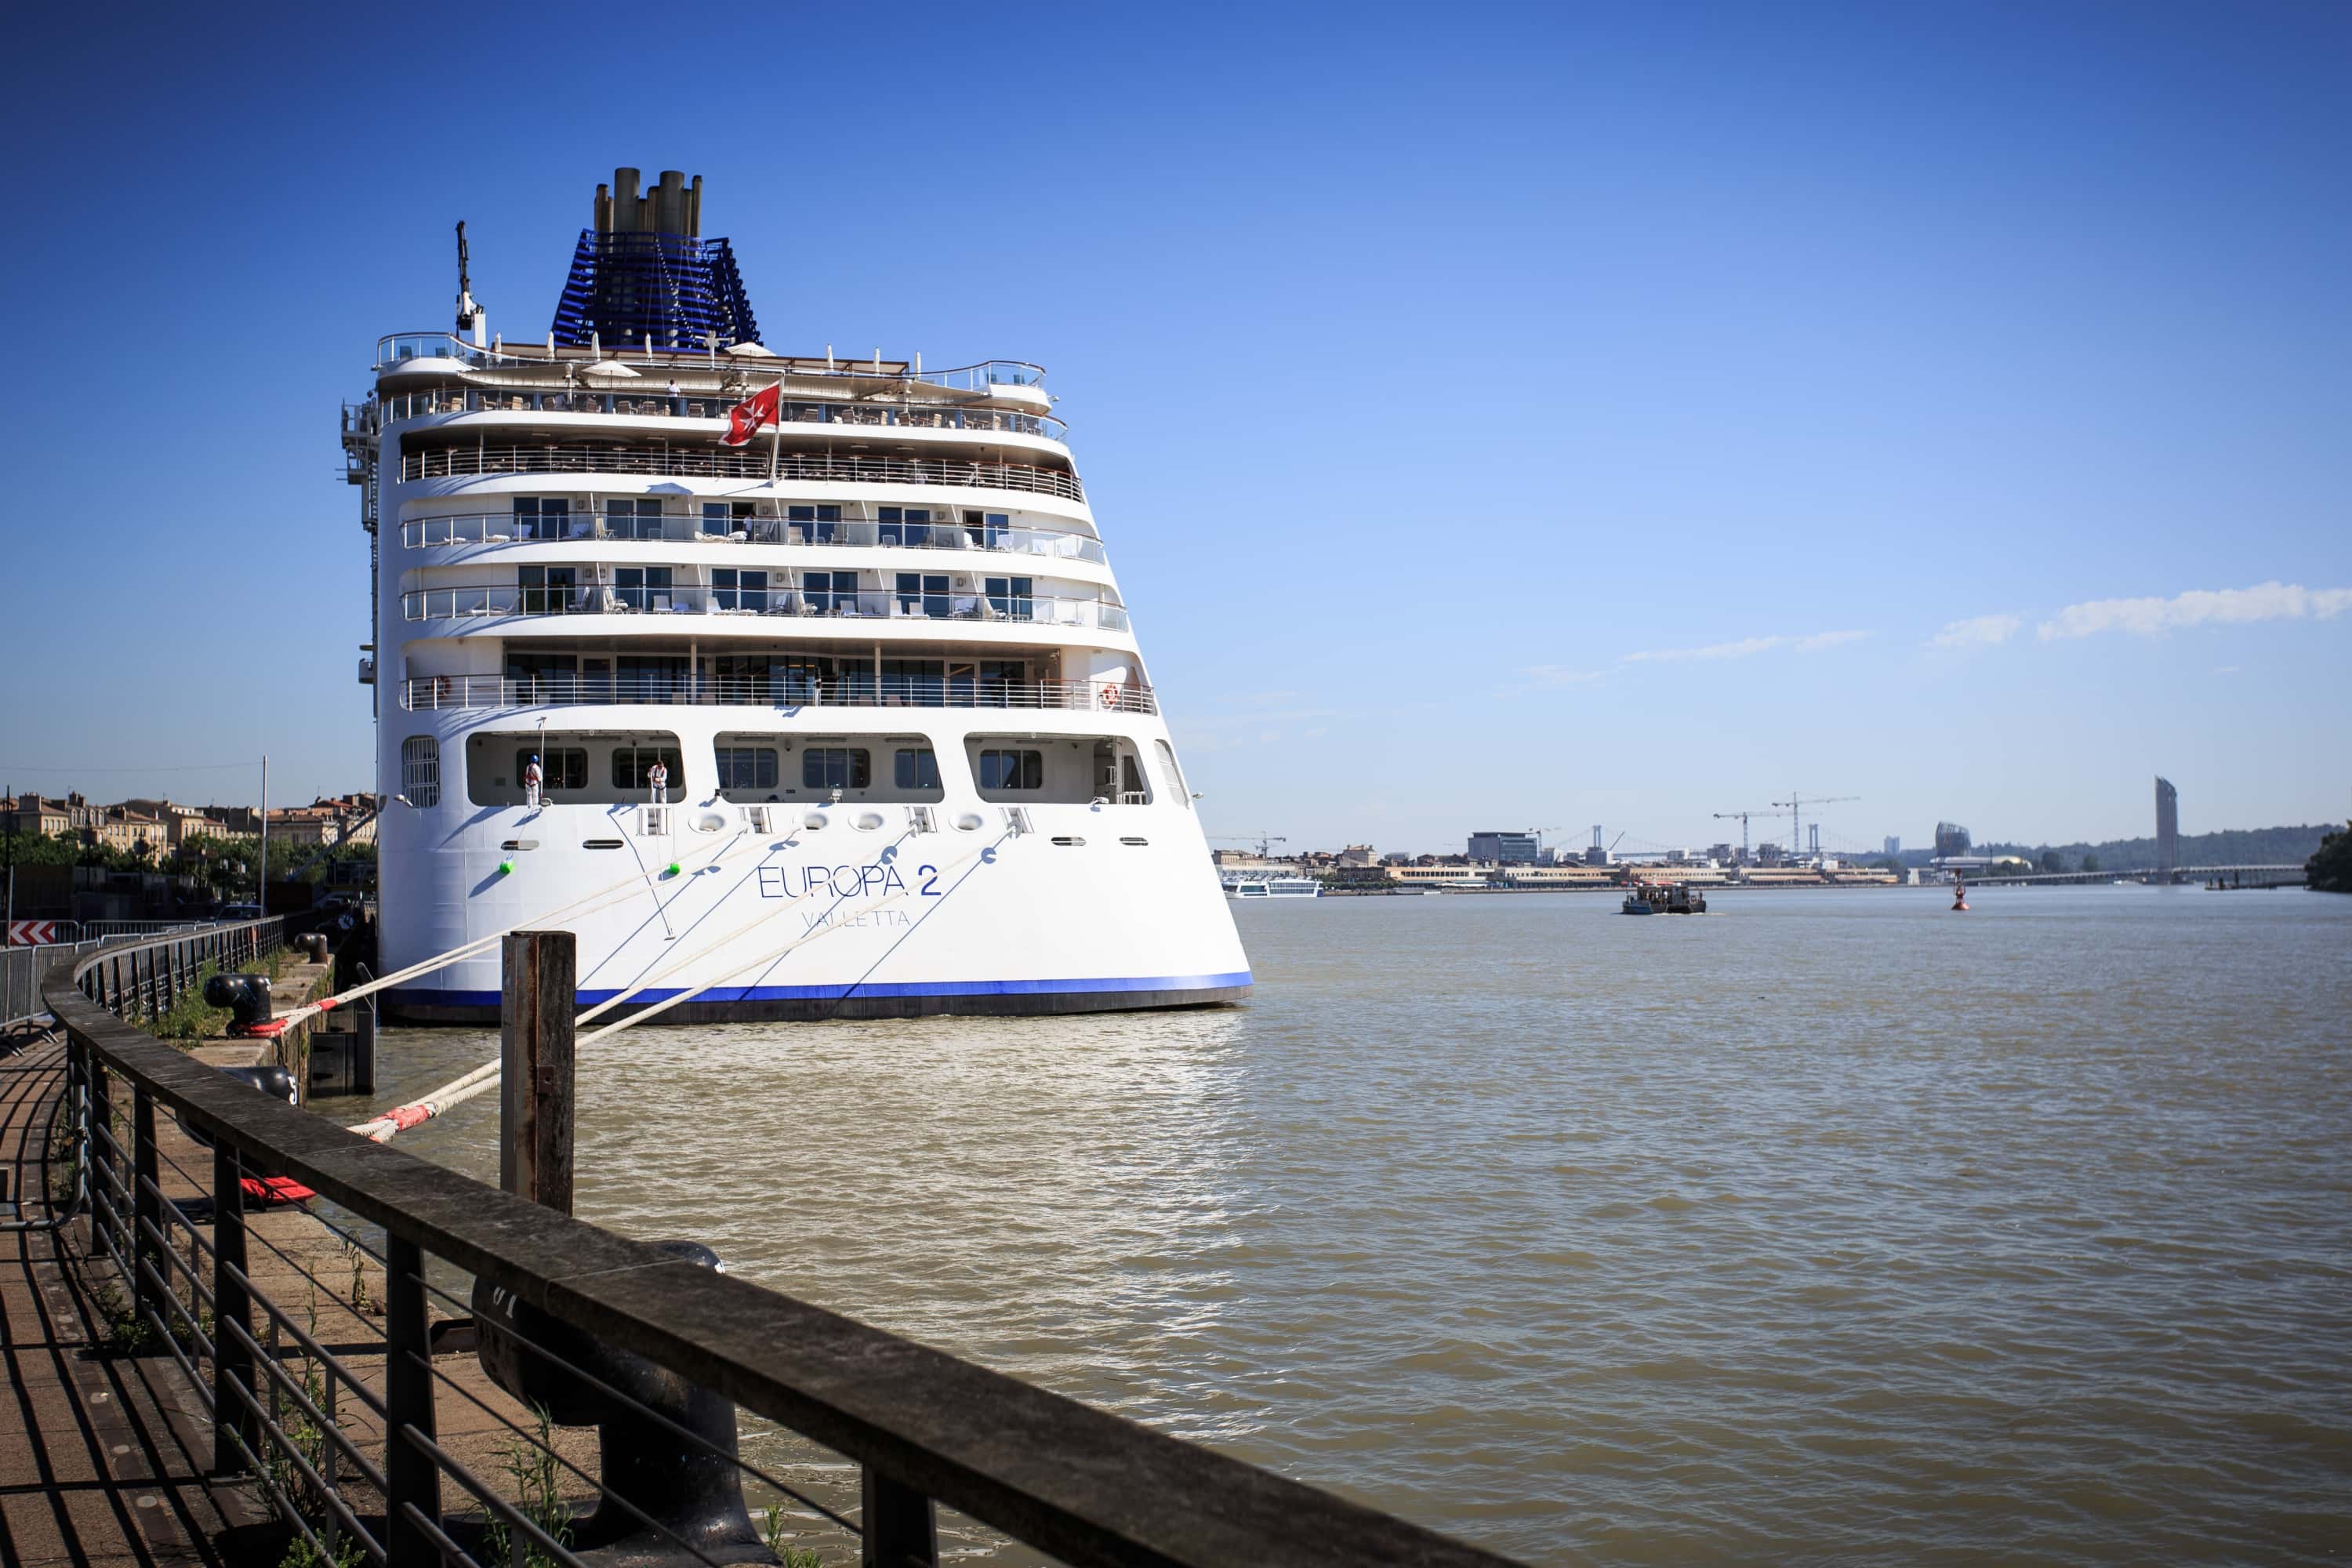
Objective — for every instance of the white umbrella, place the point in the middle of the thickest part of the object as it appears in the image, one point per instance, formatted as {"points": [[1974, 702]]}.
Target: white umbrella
{"points": [[607, 367], [750, 351]]}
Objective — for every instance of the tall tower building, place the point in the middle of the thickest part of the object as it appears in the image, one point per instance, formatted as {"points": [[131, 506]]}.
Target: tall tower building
{"points": [[2167, 828]]}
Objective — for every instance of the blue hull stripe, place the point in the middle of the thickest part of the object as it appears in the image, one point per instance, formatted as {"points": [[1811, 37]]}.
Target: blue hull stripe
{"points": [[834, 993]]}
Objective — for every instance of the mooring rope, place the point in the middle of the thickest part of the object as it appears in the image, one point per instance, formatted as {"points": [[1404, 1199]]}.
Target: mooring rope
{"points": [[459, 1091]]}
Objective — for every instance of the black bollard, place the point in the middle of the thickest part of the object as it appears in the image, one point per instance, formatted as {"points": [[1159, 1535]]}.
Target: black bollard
{"points": [[694, 1491]]}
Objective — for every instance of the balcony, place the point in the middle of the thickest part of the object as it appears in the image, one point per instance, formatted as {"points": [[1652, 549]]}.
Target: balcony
{"points": [[656, 403], [505, 528], [432, 693], [508, 599], [732, 463]]}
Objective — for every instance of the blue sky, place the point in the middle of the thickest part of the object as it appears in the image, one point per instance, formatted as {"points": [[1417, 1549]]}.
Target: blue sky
{"points": [[1499, 415]]}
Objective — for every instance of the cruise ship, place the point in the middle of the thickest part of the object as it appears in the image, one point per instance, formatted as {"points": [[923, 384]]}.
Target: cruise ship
{"points": [[856, 614]]}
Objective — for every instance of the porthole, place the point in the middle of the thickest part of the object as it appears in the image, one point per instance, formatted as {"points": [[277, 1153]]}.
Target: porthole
{"points": [[969, 822], [868, 821], [814, 821]]}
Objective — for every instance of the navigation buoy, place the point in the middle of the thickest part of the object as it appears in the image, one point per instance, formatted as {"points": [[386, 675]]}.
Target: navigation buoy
{"points": [[1959, 896]]}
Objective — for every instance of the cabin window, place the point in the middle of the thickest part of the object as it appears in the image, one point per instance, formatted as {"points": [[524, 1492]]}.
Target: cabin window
{"points": [[904, 525], [643, 587], [541, 517], [829, 591], [815, 524], [560, 767], [1012, 770], [721, 518], [1009, 598], [733, 589], [420, 770], [631, 764], [836, 767], [637, 519], [547, 590], [743, 769], [923, 593], [915, 768]]}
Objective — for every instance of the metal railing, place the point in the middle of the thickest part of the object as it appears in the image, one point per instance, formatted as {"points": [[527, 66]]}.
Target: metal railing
{"points": [[659, 403], [857, 534], [496, 599], [749, 462], [394, 348], [334, 1405], [428, 693]]}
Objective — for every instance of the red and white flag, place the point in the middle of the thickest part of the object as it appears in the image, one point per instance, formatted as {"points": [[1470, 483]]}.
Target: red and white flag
{"points": [[743, 420]]}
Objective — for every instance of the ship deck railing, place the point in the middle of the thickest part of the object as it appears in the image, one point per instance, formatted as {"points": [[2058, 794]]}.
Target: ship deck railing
{"points": [[656, 403], [394, 348], [752, 462], [465, 601], [860, 533], [429, 693]]}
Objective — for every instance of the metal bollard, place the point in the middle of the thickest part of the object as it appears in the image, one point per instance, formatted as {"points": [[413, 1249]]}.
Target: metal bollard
{"points": [[694, 1491]]}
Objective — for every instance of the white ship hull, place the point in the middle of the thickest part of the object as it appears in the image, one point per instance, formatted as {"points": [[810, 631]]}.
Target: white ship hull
{"points": [[809, 909]]}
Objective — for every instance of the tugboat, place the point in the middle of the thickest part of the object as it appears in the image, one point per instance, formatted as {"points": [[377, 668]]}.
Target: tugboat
{"points": [[1661, 898]]}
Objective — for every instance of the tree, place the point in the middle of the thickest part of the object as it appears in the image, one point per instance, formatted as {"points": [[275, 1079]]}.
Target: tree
{"points": [[2050, 861], [2090, 862], [2330, 870]]}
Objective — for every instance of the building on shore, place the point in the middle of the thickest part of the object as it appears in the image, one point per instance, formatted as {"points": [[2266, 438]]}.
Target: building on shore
{"points": [[1506, 849], [2168, 829]]}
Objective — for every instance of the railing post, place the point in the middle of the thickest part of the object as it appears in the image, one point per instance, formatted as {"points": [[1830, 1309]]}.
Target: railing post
{"points": [[103, 1219], [535, 1041], [409, 1472], [234, 1416], [146, 1210], [897, 1521]]}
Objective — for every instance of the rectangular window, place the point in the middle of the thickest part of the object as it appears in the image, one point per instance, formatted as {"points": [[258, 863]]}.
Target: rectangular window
{"points": [[631, 764], [914, 768], [830, 592], [643, 587], [923, 593], [1009, 598], [733, 589], [420, 770], [547, 590], [633, 519], [909, 525], [815, 524], [836, 767], [721, 518], [653, 677], [745, 769], [563, 767], [541, 517], [1012, 770]]}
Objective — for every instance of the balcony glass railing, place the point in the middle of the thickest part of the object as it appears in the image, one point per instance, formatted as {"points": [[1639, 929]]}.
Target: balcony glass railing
{"points": [[658, 404], [734, 463], [854, 689], [392, 351], [507, 599], [504, 528]]}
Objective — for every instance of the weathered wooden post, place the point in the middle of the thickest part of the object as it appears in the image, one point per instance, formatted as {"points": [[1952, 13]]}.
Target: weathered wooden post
{"points": [[535, 1068]]}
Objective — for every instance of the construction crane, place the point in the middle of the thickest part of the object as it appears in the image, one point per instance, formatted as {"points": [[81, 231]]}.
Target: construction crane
{"points": [[1797, 803], [1742, 817], [1264, 842]]}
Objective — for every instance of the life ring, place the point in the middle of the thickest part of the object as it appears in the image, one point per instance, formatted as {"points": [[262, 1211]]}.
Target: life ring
{"points": [[1110, 697]]}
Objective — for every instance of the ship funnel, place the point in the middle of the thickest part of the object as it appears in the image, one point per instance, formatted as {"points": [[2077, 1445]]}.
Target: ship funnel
{"points": [[643, 271]]}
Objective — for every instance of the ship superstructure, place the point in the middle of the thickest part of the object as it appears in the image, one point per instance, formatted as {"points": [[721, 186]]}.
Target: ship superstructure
{"points": [[914, 760]]}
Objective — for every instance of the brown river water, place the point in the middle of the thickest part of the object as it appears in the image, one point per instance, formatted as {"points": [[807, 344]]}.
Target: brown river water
{"points": [[1830, 1224]]}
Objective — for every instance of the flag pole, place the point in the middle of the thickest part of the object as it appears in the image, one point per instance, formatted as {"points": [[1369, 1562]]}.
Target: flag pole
{"points": [[776, 441]]}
